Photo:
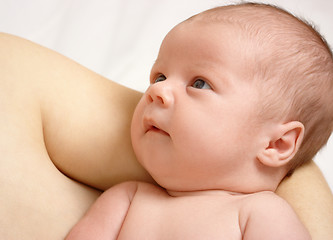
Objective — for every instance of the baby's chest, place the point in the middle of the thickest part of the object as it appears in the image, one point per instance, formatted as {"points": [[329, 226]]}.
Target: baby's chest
{"points": [[181, 218]]}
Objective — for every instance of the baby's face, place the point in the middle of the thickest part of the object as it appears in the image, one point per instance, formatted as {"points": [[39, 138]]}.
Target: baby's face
{"points": [[196, 123]]}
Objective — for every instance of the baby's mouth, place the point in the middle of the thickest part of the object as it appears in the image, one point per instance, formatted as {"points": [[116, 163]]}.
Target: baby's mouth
{"points": [[151, 126], [155, 129]]}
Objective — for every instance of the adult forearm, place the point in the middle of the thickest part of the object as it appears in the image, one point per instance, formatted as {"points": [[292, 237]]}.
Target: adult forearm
{"points": [[309, 194]]}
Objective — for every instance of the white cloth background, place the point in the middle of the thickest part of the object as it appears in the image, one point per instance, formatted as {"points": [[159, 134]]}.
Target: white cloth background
{"points": [[119, 39]]}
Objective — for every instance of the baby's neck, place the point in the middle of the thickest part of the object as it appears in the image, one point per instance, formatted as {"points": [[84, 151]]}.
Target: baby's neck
{"points": [[202, 193]]}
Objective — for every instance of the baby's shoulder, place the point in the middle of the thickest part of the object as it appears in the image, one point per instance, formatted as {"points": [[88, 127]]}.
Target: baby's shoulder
{"points": [[270, 213], [263, 199], [263, 203]]}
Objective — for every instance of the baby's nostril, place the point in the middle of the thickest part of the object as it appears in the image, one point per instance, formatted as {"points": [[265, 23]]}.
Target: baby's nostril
{"points": [[160, 99], [150, 99]]}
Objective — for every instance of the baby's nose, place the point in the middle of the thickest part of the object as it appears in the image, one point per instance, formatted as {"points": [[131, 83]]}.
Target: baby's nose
{"points": [[161, 94]]}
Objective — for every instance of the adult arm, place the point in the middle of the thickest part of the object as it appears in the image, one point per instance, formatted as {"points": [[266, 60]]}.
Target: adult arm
{"points": [[310, 196], [84, 117], [56, 118]]}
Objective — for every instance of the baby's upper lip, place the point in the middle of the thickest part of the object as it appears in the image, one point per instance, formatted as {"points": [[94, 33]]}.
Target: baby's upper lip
{"points": [[151, 125]]}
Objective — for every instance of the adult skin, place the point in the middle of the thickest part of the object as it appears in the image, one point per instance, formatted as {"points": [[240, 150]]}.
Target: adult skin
{"points": [[59, 122]]}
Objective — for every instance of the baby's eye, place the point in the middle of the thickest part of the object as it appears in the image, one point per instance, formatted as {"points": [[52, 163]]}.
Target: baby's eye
{"points": [[160, 78], [201, 84]]}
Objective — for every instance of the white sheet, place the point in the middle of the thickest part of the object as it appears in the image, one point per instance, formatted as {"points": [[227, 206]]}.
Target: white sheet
{"points": [[120, 38]]}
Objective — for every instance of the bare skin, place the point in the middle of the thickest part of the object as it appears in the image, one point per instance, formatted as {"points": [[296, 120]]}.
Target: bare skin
{"points": [[59, 121], [57, 114], [207, 214]]}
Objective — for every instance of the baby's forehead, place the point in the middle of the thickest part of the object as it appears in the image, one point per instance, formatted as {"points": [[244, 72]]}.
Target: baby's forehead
{"points": [[253, 21], [263, 32], [263, 28], [243, 14]]}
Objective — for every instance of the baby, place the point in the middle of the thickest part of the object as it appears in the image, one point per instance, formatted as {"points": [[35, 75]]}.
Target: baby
{"points": [[239, 95]]}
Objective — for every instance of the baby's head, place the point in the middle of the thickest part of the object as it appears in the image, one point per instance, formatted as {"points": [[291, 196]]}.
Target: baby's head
{"points": [[238, 98], [292, 66]]}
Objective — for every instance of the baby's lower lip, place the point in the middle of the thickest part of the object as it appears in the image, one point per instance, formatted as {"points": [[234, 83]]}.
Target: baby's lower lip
{"points": [[157, 130]]}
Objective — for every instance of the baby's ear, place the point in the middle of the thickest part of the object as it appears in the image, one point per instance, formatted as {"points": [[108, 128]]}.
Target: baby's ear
{"points": [[283, 145]]}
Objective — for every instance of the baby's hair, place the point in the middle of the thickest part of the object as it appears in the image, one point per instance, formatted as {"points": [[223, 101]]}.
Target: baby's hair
{"points": [[292, 65]]}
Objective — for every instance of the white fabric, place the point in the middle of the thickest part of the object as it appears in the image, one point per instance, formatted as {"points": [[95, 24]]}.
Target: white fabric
{"points": [[119, 39]]}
